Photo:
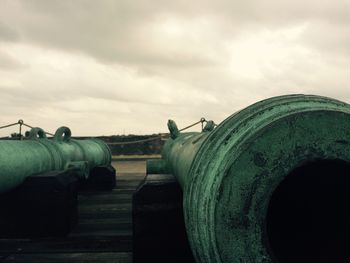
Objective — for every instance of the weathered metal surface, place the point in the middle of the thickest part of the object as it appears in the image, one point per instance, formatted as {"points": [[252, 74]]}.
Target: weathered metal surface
{"points": [[37, 154], [228, 175]]}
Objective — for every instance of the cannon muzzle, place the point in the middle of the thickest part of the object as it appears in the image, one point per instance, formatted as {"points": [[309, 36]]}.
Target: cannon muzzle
{"points": [[269, 184], [37, 154]]}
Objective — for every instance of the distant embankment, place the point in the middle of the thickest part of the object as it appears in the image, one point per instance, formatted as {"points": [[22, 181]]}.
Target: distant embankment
{"points": [[134, 144], [126, 144]]}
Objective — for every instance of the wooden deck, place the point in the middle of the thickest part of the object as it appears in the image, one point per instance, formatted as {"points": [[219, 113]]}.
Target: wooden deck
{"points": [[104, 231]]}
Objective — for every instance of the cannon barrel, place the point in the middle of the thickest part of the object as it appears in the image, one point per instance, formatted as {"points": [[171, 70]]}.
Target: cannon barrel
{"points": [[38, 154], [271, 183]]}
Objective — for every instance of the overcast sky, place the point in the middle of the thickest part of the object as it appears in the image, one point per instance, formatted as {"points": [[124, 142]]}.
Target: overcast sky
{"points": [[118, 67]]}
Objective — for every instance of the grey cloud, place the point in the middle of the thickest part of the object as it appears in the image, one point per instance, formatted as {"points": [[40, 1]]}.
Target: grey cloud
{"points": [[7, 33], [31, 93], [7, 62], [112, 31], [120, 31], [329, 38]]}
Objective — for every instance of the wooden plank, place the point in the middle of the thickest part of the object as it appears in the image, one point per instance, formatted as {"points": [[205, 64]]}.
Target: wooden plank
{"points": [[66, 245], [128, 186], [130, 178], [113, 233], [112, 225], [125, 232], [106, 214], [105, 199], [114, 191], [71, 258], [106, 221], [134, 176], [86, 208], [128, 182], [105, 196]]}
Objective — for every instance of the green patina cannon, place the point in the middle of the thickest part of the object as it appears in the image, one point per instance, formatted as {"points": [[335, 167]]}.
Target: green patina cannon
{"points": [[270, 184], [38, 154]]}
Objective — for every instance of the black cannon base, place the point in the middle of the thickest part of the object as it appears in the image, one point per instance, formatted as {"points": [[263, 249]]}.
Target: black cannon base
{"points": [[158, 224], [44, 205], [100, 178]]}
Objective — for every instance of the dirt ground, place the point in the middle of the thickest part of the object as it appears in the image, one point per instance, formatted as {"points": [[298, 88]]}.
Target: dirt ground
{"points": [[130, 166]]}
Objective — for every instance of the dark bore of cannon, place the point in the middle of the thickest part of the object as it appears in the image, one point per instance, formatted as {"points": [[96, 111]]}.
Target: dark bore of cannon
{"points": [[308, 218]]}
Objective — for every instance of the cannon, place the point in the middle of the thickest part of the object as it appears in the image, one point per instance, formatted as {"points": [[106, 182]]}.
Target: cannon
{"points": [[37, 154], [40, 178], [271, 183]]}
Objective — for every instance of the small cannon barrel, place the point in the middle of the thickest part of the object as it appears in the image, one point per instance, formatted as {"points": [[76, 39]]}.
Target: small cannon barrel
{"points": [[38, 154], [269, 184]]}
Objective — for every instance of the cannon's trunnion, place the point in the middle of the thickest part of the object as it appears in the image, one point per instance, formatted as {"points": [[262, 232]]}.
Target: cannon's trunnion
{"points": [[269, 184]]}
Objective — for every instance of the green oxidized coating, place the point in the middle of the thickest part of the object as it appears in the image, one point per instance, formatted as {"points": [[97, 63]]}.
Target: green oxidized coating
{"points": [[37, 154], [229, 174]]}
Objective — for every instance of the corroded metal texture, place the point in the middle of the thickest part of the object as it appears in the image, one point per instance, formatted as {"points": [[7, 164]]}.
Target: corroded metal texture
{"points": [[37, 154], [228, 175]]}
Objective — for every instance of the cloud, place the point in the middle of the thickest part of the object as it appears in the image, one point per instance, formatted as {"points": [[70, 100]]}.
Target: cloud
{"points": [[7, 62], [60, 87], [112, 32], [163, 37], [127, 66], [7, 33], [147, 34]]}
